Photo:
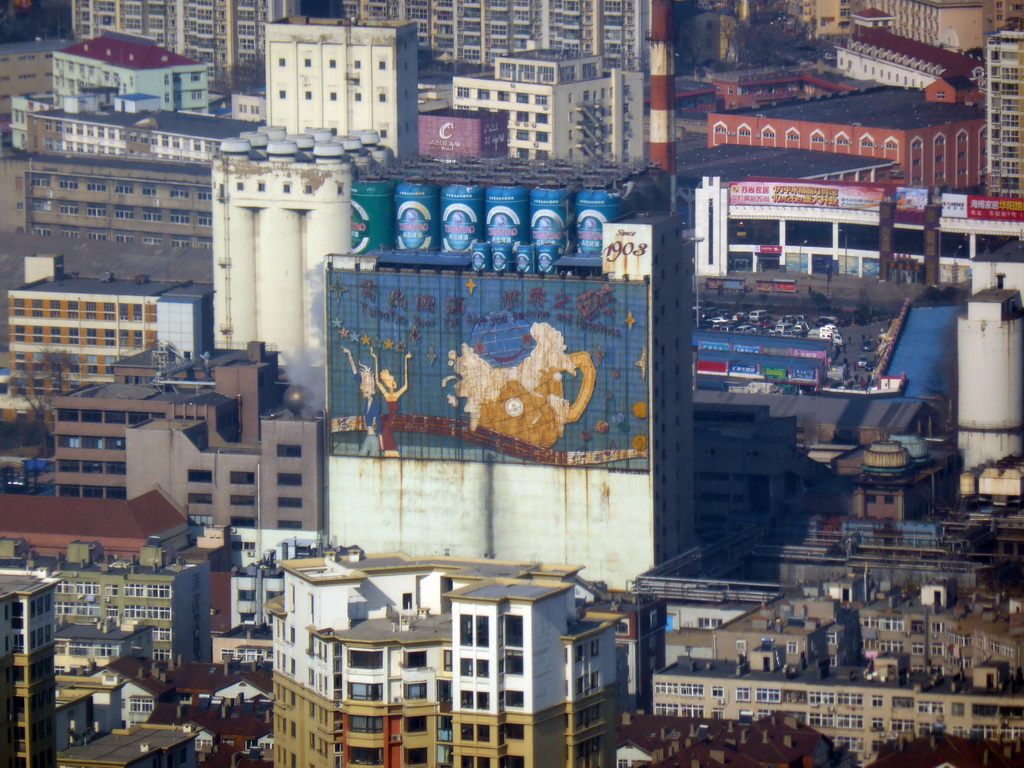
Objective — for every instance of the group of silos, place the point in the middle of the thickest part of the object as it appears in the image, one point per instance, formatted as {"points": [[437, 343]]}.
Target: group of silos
{"points": [[504, 228], [363, 148]]}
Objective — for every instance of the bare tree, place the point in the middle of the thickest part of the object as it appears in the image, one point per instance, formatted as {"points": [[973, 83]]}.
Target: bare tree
{"points": [[50, 375]]}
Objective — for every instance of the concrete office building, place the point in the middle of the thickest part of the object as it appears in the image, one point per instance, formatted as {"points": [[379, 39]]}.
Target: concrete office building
{"points": [[27, 683], [348, 76], [126, 66], [958, 25], [82, 647], [224, 35], [467, 31], [561, 104], [110, 200], [173, 599], [91, 422], [265, 286], [27, 69], [856, 708], [482, 441], [1003, 53], [266, 493], [439, 661], [91, 322], [145, 135]]}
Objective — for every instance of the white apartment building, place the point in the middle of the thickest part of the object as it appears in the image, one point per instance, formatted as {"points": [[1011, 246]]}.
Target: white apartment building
{"points": [[334, 73], [467, 30], [475, 660], [131, 66], [561, 105], [1004, 52], [223, 34]]}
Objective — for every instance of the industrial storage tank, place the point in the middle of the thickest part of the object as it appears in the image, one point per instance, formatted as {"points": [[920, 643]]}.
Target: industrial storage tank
{"points": [[594, 209], [502, 258], [526, 263], [508, 215], [547, 255], [990, 348], [481, 256], [549, 217], [373, 216], [462, 216], [418, 216]]}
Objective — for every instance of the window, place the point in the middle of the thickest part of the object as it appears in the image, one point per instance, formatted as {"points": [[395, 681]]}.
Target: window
{"points": [[415, 690], [200, 476], [366, 724], [366, 659], [366, 691], [289, 525], [289, 478], [200, 498], [289, 502], [285, 450]]}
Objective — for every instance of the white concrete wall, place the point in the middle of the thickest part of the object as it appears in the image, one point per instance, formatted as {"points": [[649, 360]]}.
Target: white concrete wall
{"points": [[593, 517]]}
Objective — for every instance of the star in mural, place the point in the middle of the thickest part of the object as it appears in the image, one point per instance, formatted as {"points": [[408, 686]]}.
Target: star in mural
{"points": [[642, 364], [366, 340], [415, 334], [336, 323], [471, 286], [630, 320], [431, 355], [345, 333], [389, 344], [337, 287], [599, 355]]}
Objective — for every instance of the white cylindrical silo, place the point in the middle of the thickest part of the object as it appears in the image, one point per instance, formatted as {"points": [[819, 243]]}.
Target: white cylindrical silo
{"points": [[991, 378], [280, 288]]}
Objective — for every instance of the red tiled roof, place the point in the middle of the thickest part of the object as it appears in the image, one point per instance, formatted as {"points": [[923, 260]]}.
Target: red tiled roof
{"points": [[873, 13], [952, 63], [224, 758], [235, 722], [141, 672], [204, 677], [126, 53], [150, 514], [946, 750]]}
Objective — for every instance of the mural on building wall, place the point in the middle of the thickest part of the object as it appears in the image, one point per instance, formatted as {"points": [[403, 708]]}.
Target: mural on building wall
{"points": [[487, 368]]}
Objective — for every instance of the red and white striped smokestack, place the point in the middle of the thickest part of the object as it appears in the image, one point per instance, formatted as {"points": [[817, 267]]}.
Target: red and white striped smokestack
{"points": [[663, 145]]}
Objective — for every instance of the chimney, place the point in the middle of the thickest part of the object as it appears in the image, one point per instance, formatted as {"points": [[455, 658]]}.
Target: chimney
{"points": [[787, 740], [257, 351], [764, 736], [626, 718]]}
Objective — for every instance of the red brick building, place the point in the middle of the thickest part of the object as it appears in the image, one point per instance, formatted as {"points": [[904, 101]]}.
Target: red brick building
{"points": [[931, 141]]}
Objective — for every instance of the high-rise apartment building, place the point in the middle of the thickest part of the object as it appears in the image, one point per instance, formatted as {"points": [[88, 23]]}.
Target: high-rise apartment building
{"points": [[223, 34], [467, 30], [561, 105], [335, 73], [439, 662], [1004, 57], [27, 683]]}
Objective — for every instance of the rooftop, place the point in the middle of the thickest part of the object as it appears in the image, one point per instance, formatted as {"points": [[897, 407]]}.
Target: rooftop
{"points": [[313, 21], [53, 163], [837, 677], [882, 107], [1011, 253], [129, 52], [126, 747], [17, 582], [951, 62], [177, 123], [732, 162], [99, 286], [425, 629], [115, 391], [151, 514], [34, 46]]}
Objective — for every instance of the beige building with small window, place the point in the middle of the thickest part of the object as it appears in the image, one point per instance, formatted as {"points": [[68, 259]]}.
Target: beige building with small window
{"points": [[561, 105], [336, 73], [1004, 57], [856, 708], [26, 68]]}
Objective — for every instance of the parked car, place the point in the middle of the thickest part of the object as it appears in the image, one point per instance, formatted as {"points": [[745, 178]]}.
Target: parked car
{"points": [[862, 362], [758, 315], [783, 329], [867, 346], [745, 328], [801, 328]]}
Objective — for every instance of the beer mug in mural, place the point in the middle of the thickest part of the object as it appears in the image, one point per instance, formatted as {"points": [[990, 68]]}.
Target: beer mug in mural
{"points": [[510, 375]]}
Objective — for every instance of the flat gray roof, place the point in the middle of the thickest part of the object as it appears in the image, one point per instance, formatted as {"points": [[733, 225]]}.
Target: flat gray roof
{"points": [[882, 107], [35, 46], [125, 747], [96, 285], [42, 162], [732, 162], [182, 123]]}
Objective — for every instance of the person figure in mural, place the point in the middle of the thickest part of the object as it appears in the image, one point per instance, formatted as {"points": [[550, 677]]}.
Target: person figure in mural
{"points": [[389, 389], [372, 444]]}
